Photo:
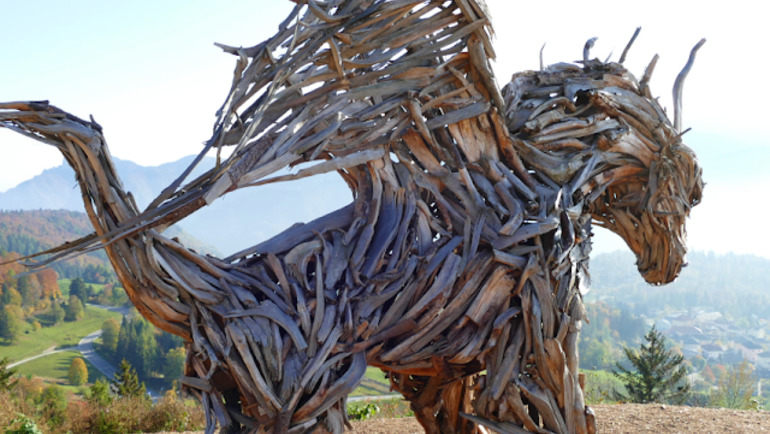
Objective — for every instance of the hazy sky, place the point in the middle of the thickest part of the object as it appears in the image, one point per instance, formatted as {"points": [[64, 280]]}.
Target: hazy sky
{"points": [[149, 73]]}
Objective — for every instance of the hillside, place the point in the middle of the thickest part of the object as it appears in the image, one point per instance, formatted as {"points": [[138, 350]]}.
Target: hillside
{"points": [[29, 232], [723, 283]]}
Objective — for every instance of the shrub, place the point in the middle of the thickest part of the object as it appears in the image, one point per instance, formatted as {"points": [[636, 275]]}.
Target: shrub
{"points": [[24, 425], [99, 393], [52, 404], [53, 414], [363, 412]]}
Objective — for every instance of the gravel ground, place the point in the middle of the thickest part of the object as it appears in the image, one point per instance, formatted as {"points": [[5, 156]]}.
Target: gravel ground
{"points": [[627, 418]]}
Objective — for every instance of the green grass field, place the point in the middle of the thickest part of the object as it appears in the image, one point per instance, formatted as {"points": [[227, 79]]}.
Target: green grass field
{"points": [[62, 335], [56, 366], [373, 383], [64, 286]]}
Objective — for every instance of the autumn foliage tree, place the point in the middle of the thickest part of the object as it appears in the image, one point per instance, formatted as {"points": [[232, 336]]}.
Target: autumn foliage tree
{"points": [[735, 387], [78, 372], [48, 279]]}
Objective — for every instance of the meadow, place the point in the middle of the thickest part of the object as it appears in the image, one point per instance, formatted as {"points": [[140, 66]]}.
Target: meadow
{"points": [[63, 335]]}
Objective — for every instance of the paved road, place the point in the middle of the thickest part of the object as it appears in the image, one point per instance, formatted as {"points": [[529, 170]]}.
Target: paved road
{"points": [[47, 352], [86, 348]]}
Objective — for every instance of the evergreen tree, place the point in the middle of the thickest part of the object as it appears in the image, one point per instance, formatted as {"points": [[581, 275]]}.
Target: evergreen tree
{"points": [[126, 382], [136, 341], [78, 372], [7, 381], [79, 289], [658, 375], [53, 402], [99, 393]]}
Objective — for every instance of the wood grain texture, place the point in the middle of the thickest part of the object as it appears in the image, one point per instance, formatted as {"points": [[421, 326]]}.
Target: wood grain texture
{"points": [[459, 264]]}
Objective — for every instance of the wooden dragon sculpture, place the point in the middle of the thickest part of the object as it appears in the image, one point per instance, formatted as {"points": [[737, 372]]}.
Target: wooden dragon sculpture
{"points": [[458, 265]]}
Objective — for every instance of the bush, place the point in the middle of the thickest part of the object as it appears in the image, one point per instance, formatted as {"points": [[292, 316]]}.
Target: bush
{"points": [[53, 414], [363, 412], [52, 404], [24, 425], [137, 414]]}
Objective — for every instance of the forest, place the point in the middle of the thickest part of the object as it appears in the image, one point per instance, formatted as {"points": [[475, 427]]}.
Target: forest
{"points": [[158, 357], [620, 306], [26, 232]]}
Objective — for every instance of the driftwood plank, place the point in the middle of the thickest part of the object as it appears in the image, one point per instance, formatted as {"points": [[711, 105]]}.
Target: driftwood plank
{"points": [[458, 264]]}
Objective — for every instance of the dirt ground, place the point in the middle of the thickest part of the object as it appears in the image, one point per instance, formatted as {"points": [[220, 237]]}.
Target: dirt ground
{"points": [[627, 418]]}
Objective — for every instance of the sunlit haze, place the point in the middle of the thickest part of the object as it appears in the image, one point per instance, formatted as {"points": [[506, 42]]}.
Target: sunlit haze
{"points": [[150, 75]]}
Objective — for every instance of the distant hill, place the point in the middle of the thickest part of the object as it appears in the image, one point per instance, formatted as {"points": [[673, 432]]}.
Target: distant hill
{"points": [[29, 232], [735, 285], [56, 188], [237, 221]]}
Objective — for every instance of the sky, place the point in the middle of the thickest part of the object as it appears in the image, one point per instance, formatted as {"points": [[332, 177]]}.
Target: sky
{"points": [[150, 75]]}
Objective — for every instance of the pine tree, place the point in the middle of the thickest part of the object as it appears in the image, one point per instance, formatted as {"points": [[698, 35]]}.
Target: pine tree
{"points": [[99, 393], [173, 367], [79, 289], [658, 374], [126, 382]]}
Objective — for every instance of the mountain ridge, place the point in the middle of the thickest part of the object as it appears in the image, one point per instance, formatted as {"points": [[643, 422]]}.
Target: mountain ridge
{"points": [[234, 222]]}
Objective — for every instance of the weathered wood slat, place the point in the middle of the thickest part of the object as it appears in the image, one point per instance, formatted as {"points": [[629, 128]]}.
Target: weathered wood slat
{"points": [[457, 266]]}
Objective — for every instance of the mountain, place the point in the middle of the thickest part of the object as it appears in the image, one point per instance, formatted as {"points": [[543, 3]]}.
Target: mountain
{"points": [[56, 188], [239, 220]]}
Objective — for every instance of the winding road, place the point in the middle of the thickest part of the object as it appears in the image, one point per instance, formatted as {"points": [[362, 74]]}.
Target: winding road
{"points": [[86, 348]]}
